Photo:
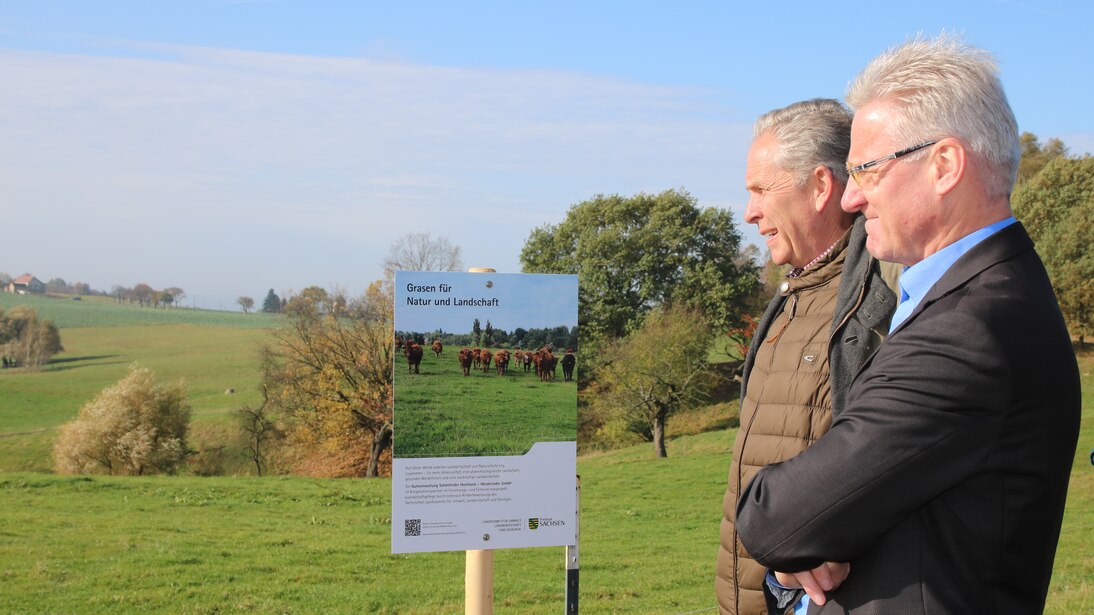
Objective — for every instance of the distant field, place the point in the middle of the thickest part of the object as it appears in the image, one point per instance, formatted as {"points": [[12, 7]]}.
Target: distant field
{"points": [[104, 312], [441, 413]]}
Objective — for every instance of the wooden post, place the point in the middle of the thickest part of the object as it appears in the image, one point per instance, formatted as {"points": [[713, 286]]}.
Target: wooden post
{"points": [[478, 579], [478, 583]]}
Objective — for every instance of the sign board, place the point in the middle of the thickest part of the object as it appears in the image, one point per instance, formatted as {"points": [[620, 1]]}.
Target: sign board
{"points": [[485, 443]]}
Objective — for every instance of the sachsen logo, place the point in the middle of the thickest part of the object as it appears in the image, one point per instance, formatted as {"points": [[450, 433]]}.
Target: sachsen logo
{"points": [[537, 522]]}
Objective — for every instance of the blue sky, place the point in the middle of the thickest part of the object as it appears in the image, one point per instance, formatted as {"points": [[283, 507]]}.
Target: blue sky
{"points": [[232, 147]]}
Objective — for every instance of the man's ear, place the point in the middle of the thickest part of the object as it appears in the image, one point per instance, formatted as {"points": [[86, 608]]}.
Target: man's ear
{"points": [[948, 160], [824, 186]]}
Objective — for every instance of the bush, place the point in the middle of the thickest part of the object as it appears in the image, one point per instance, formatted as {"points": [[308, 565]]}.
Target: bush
{"points": [[137, 426]]}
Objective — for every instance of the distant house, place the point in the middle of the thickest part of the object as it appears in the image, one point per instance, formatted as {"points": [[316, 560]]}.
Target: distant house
{"points": [[24, 284]]}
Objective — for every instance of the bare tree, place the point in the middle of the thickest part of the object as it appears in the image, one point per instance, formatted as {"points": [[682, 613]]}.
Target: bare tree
{"points": [[260, 431], [246, 303], [421, 252]]}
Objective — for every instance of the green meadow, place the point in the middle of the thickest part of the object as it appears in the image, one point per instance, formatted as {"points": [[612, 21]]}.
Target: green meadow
{"points": [[439, 412], [194, 544]]}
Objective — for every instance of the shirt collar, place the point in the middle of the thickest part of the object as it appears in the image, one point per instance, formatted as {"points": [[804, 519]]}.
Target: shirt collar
{"points": [[919, 278]]}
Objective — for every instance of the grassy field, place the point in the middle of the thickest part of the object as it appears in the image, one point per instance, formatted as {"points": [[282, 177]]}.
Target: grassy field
{"points": [[294, 545], [441, 413], [189, 544], [105, 312]]}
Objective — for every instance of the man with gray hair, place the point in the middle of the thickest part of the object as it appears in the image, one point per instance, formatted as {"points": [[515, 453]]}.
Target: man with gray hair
{"points": [[942, 482], [827, 317]]}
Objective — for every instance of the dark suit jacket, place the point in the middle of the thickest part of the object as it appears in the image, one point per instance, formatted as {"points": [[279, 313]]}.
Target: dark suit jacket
{"points": [[943, 480]]}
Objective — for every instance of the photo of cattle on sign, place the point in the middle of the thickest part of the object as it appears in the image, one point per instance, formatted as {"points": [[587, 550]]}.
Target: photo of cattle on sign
{"points": [[497, 391], [482, 401]]}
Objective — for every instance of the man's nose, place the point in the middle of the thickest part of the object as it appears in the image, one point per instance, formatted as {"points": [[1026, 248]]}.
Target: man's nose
{"points": [[853, 199], [752, 211]]}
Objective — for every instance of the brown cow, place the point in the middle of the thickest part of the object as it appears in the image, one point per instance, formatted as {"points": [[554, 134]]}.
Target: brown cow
{"points": [[484, 357], [437, 347], [465, 361], [501, 361], [547, 363], [568, 362], [413, 354], [476, 356]]}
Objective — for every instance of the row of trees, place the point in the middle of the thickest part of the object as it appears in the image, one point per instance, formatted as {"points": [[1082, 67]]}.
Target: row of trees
{"points": [[489, 337], [144, 295]]}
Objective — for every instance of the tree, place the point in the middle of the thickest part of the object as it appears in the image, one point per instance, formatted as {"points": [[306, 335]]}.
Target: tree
{"points": [[142, 294], [633, 254], [1035, 156], [246, 304], [137, 426], [57, 285], [330, 375], [1057, 208], [655, 372], [421, 252], [260, 432], [272, 303], [488, 335], [25, 340], [176, 293]]}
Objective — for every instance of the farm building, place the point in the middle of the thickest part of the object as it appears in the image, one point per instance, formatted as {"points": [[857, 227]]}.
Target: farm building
{"points": [[24, 284]]}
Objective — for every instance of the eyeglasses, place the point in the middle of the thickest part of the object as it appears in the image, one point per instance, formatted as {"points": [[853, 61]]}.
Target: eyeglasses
{"points": [[857, 172]]}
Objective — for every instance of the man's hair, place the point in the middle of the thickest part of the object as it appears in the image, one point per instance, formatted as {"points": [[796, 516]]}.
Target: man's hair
{"points": [[809, 133], [945, 88]]}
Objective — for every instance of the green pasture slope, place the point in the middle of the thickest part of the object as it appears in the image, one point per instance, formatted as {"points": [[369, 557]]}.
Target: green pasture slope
{"points": [[439, 412], [211, 351]]}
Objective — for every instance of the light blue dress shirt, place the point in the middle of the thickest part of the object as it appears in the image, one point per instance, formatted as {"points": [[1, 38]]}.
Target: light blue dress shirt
{"points": [[920, 277]]}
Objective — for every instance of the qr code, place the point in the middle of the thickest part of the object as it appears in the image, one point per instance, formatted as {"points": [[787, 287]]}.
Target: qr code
{"points": [[412, 527]]}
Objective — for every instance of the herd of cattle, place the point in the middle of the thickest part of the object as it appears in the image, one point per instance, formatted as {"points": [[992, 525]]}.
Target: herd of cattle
{"points": [[542, 361]]}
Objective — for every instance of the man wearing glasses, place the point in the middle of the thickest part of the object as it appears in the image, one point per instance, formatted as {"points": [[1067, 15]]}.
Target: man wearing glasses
{"points": [[828, 316], [942, 482]]}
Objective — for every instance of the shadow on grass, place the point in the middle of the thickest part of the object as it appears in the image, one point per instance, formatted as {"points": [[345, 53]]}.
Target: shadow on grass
{"points": [[67, 363]]}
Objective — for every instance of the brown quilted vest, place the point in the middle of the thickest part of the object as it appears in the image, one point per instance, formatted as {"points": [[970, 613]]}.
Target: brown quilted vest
{"points": [[787, 406]]}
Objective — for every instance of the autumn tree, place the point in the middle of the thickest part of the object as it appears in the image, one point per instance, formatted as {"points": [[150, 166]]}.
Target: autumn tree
{"points": [[1057, 208], [176, 294], [246, 304], [137, 426], [142, 294], [655, 372], [328, 370], [27, 341]]}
